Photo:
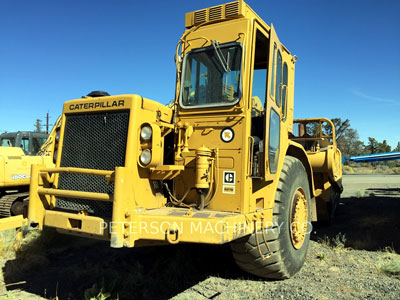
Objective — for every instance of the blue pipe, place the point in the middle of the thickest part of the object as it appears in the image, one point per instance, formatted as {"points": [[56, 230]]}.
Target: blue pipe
{"points": [[373, 157]]}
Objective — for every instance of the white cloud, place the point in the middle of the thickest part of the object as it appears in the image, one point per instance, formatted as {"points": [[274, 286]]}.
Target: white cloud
{"points": [[376, 99]]}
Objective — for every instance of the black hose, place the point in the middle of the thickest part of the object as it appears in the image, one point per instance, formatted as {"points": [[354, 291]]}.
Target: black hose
{"points": [[202, 199]]}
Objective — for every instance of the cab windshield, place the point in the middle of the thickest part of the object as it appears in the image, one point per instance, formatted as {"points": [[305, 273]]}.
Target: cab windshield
{"points": [[211, 76]]}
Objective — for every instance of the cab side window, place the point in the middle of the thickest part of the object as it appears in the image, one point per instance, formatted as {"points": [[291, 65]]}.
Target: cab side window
{"points": [[25, 145], [258, 98], [273, 73], [279, 83], [7, 142], [259, 85], [259, 74], [284, 89], [36, 144], [274, 141], [279, 79]]}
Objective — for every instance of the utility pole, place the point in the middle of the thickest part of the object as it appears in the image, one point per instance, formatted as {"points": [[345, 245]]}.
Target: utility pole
{"points": [[47, 123]]}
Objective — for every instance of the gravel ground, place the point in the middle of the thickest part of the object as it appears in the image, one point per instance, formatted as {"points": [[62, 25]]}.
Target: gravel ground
{"points": [[345, 261], [327, 274]]}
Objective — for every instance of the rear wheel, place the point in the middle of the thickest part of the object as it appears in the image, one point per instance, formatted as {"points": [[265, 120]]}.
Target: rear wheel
{"points": [[280, 251]]}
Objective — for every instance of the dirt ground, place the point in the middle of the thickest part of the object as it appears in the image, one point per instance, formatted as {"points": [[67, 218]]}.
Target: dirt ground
{"points": [[345, 261]]}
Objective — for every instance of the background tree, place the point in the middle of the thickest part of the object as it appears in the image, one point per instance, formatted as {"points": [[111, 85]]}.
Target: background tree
{"points": [[397, 149], [347, 138], [376, 147], [384, 147], [372, 146], [349, 143], [341, 127]]}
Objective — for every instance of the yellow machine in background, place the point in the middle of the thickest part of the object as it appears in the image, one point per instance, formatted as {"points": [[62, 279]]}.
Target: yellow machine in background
{"points": [[222, 166], [317, 136], [18, 152]]}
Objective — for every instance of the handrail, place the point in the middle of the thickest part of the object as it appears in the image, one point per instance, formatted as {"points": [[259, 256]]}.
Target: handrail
{"points": [[75, 194], [77, 171]]}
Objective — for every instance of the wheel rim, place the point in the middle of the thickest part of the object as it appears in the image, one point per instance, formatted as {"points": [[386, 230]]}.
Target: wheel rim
{"points": [[298, 218]]}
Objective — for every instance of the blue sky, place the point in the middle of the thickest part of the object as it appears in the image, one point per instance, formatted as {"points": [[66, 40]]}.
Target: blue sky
{"points": [[53, 51]]}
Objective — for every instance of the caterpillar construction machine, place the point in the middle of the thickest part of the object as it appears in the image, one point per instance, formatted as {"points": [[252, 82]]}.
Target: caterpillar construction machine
{"points": [[18, 151], [222, 166]]}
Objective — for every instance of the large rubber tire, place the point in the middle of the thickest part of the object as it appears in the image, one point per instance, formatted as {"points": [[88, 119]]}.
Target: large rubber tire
{"points": [[285, 259]]}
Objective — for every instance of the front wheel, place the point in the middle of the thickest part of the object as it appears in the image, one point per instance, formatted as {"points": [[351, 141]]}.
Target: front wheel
{"points": [[280, 251]]}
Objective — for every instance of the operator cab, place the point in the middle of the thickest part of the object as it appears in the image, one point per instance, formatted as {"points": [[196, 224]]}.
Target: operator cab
{"points": [[29, 142], [234, 87]]}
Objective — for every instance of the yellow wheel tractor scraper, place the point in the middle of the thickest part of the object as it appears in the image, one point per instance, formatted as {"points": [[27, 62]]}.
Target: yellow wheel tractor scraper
{"points": [[225, 164]]}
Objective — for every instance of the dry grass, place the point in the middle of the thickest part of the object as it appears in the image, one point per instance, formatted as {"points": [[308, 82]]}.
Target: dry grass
{"points": [[7, 243], [362, 193], [337, 243], [390, 263], [29, 247], [101, 291], [348, 170], [11, 241], [368, 168]]}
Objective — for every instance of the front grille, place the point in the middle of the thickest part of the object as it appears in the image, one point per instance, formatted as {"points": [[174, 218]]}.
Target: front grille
{"points": [[92, 141]]}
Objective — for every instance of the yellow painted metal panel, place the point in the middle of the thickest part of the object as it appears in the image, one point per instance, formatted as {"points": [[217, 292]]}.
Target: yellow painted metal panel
{"points": [[15, 166], [75, 222], [12, 222], [171, 224]]}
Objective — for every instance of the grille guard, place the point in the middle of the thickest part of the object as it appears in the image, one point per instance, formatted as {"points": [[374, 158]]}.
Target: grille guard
{"points": [[95, 141], [43, 197]]}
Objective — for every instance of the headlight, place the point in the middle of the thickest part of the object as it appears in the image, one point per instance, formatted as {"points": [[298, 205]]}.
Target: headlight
{"points": [[145, 157], [146, 132]]}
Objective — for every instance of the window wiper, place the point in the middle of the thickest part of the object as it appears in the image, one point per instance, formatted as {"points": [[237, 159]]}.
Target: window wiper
{"points": [[220, 55]]}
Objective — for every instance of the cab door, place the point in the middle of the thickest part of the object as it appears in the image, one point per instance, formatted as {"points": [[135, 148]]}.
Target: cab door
{"points": [[273, 107]]}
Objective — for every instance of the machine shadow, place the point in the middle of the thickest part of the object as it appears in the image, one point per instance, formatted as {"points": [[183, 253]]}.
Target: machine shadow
{"points": [[368, 223], [66, 267]]}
